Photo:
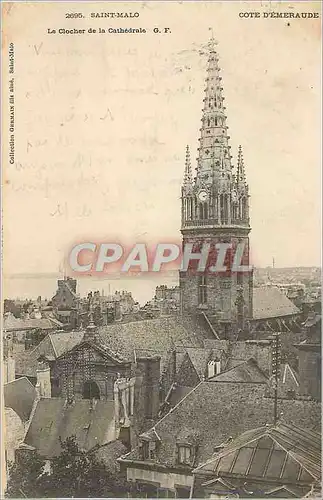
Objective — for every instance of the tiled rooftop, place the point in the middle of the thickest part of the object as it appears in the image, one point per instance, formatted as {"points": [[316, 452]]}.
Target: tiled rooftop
{"points": [[219, 410], [270, 302], [54, 419], [20, 395]]}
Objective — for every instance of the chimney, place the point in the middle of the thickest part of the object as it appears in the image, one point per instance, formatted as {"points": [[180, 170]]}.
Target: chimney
{"points": [[309, 369], [9, 360], [148, 368], [43, 385], [9, 369], [91, 329]]}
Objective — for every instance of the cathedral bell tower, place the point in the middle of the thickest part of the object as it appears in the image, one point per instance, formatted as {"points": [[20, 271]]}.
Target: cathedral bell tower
{"points": [[215, 209]]}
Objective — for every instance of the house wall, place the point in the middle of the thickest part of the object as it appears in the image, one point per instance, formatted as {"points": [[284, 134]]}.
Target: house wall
{"points": [[14, 433], [14, 430], [261, 352], [167, 480], [43, 385], [9, 373], [310, 372]]}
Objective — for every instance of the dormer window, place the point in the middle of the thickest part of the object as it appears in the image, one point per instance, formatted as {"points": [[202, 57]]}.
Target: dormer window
{"points": [[148, 449], [186, 446], [213, 368], [184, 454]]}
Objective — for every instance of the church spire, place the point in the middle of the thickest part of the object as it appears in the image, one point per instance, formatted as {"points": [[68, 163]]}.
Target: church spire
{"points": [[214, 158], [241, 174], [188, 181], [218, 195]]}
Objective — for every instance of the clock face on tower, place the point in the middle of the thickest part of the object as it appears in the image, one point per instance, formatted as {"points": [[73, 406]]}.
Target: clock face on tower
{"points": [[202, 195]]}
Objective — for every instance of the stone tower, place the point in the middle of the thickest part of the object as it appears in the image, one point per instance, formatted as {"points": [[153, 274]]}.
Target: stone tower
{"points": [[215, 209]]}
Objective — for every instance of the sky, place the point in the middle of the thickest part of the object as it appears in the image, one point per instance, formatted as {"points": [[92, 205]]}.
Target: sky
{"points": [[102, 122]]}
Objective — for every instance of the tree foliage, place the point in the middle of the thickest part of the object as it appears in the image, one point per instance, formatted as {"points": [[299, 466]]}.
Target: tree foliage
{"points": [[24, 476], [74, 473]]}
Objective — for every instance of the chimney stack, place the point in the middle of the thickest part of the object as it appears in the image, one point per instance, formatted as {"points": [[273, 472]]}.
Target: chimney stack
{"points": [[148, 368], [43, 385]]}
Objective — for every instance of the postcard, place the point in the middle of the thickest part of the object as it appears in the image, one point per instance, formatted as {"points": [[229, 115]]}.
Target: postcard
{"points": [[161, 271]]}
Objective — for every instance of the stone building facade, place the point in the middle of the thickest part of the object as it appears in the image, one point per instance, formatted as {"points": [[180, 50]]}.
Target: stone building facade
{"points": [[88, 371]]}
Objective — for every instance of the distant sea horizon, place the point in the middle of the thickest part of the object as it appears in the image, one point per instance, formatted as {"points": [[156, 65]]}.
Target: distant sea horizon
{"points": [[142, 286], [33, 285]]}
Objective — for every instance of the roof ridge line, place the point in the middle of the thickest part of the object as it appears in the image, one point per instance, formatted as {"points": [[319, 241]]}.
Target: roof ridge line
{"points": [[53, 346], [226, 452], [291, 453], [172, 409], [36, 347]]}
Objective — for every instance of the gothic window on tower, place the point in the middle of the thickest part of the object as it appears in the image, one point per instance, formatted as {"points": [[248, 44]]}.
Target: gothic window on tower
{"points": [[244, 208], [222, 206], [203, 211], [190, 208], [202, 291]]}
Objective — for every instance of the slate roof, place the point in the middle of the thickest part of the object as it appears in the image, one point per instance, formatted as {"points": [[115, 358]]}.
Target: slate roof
{"points": [[279, 452], [11, 324], [288, 380], [248, 371], [154, 336], [200, 358], [219, 410], [65, 341], [270, 302], [53, 418], [52, 346], [20, 395], [239, 351], [137, 338], [178, 393]]}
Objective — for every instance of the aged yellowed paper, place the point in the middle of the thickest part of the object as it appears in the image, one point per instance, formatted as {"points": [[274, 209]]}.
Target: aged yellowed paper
{"points": [[161, 194]]}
